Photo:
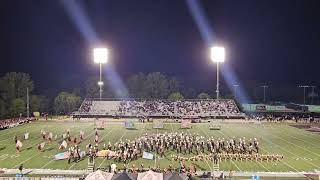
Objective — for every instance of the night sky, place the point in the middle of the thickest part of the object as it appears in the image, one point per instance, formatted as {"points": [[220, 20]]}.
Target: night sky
{"points": [[274, 42]]}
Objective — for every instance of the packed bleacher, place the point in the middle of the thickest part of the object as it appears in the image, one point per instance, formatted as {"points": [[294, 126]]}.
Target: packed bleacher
{"points": [[9, 123], [166, 108]]}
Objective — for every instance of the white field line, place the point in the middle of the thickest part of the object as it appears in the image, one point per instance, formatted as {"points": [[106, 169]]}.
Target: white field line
{"points": [[293, 129], [270, 142], [118, 140], [34, 155], [235, 163], [34, 138], [293, 144], [142, 129], [314, 144], [201, 153], [263, 166], [103, 138], [269, 152], [47, 163], [232, 160], [72, 166], [54, 160], [13, 132]]}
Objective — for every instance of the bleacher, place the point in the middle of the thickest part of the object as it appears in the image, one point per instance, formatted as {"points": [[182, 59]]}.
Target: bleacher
{"points": [[199, 108]]}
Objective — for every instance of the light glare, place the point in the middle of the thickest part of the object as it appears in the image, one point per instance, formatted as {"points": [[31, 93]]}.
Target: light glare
{"points": [[217, 54], [100, 83], [100, 55]]}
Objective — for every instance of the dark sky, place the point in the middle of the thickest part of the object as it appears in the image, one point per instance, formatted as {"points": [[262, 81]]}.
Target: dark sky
{"points": [[276, 42]]}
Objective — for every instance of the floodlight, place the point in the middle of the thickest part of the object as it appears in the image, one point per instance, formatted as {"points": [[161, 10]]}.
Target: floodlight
{"points": [[217, 54], [100, 55], [100, 83]]}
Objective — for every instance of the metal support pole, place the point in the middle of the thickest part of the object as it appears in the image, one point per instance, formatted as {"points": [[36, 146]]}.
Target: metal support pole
{"points": [[100, 85], [235, 90], [304, 95], [264, 94], [313, 94], [28, 114], [217, 90]]}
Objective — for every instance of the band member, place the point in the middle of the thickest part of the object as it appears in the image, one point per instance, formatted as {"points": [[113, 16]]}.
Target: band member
{"points": [[18, 145], [63, 145], [96, 139], [81, 135], [41, 146], [50, 137]]}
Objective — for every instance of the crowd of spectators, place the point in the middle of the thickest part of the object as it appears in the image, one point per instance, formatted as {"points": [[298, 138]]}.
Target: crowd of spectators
{"points": [[182, 108], [9, 123], [145, 108], [86, 106], [281, 117]]}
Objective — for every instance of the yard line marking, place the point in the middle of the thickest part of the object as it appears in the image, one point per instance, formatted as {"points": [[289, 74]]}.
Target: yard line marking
{"points": [[234, 162], [74, 163], [200, 152], [31, 156], [142, 129], [32, 145], [293, 144], [269, 152], [117, 141], [18, 133], [34, 155], [263, 166], [289, 166], [294, 129], [105, 157], [47, 163], [270, 142], [171, 127], [236, 165], [312, 144]]}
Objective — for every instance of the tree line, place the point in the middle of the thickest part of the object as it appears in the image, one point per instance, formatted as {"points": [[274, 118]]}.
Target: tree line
{"points": [[155, 85]]}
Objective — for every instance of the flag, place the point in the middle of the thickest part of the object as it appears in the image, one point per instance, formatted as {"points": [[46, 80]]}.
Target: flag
{"points": [[102, 153], [81, 133], [186, 123], [50, 135], [61, 156], [129, 124], [42, 145], [26, 136], [147, 155], [64, 144], [157, 124], [19, 144]]}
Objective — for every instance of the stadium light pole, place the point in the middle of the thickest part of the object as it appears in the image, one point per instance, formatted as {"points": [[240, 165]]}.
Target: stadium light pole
{"points": [[235, 86], [304, 92], [100, 56], [217, 56], [312, 93], [264, 92]]}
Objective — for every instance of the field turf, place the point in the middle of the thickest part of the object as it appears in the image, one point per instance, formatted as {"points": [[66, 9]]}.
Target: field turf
{"points": [[300, 148]]}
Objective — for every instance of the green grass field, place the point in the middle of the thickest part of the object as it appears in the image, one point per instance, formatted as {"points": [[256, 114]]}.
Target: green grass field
{"points": [[301, 149]]}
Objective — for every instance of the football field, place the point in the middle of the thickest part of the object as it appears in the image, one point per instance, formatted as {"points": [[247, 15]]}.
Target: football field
{"points": [[300, 148]]}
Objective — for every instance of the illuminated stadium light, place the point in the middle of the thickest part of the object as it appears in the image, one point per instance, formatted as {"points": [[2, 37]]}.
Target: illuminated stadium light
{"points": [[100, 83], [217, 54], [100, 55]]}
